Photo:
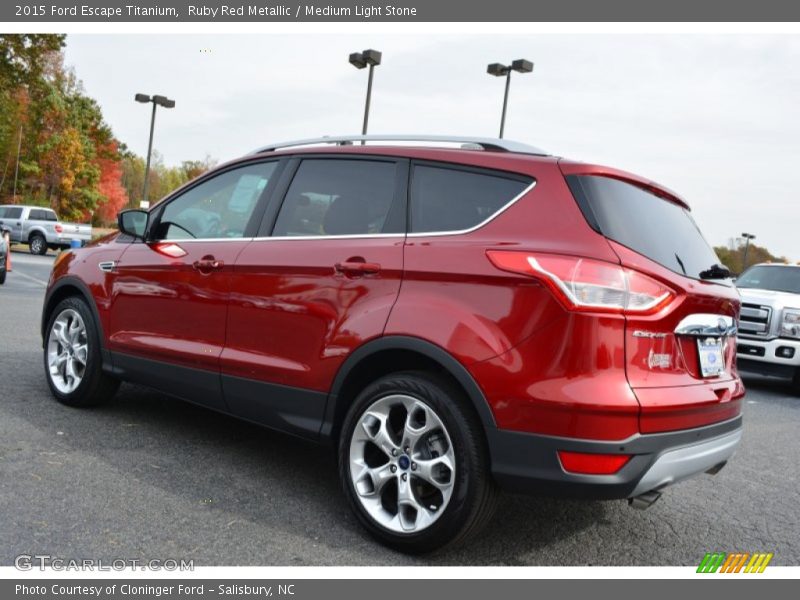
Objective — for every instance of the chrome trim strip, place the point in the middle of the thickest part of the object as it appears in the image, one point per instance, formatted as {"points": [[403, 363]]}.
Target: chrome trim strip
{"points": [[706, 325], [194, 240], [491, 218], [354, 236], [682, 463], [342, 140]]}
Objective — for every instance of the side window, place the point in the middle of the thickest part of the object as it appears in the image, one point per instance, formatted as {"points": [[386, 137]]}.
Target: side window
{"points": [[13, 212], [444, 199], [49, 215], [35, 214], [337, 197], [217, 208]]}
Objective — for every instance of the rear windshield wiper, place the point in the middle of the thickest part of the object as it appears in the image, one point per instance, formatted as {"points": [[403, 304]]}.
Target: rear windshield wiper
{"points": [[716, 272]]}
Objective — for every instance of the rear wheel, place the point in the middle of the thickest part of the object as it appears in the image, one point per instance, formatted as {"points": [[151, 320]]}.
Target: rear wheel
{"points": [[796, 381], [37, 244], [72, 358], [2, 274], [413, 463]]}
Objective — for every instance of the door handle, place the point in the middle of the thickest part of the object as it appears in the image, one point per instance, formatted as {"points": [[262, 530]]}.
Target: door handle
{"points": [[357, 267], [207, 264]]}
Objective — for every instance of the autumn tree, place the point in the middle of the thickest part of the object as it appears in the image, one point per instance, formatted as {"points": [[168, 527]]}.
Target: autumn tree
{"points": [[734, 259], [113, 193]]}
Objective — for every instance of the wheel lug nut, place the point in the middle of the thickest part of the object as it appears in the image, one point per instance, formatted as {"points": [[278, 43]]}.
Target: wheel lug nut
{"points": [[413, 466], [393, 468], [394, 452], [405, 476]]}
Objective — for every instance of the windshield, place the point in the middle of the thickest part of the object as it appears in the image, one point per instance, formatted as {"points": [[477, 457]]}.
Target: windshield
{"points": [[775, 278]]}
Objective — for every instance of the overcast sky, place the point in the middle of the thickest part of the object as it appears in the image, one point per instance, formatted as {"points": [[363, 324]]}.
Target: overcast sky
{"points": [[714, 117]]}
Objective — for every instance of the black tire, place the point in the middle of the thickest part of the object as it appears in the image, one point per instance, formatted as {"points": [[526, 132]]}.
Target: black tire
{"points": [[796, 381], [3, 275], [37, 244], [474, 493], [96, 387]]}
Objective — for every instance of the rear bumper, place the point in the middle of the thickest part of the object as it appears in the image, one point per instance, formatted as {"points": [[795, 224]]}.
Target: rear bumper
{"points": [[524, 462]]}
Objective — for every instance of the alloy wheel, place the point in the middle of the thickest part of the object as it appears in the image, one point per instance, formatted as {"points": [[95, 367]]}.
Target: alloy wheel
{"points": [[67, 351], [402, 463]]}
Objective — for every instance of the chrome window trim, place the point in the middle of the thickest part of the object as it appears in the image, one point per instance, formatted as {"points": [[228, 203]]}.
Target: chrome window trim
{"points": [[194, 240], [486, 221], [352, 236]]}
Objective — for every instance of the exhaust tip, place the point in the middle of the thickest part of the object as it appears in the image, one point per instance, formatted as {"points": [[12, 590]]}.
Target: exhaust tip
{"points": [[717, 468], [644, 501]]}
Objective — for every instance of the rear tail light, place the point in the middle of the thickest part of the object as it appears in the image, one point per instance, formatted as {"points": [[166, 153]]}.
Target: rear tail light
{"points": [[592, 464], [59, 228], [584, 284]]}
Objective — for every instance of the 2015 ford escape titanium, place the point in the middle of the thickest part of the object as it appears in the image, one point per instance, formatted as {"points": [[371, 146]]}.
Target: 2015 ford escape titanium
{"points": [[453, 320]]}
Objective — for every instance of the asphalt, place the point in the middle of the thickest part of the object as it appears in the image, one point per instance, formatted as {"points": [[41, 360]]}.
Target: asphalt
{"points": [[150, 477]]}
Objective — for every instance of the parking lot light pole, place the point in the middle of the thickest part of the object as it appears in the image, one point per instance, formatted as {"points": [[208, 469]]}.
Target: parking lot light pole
{"points": [[747, 237], [360, 60], [157, 101], [520, 66]]}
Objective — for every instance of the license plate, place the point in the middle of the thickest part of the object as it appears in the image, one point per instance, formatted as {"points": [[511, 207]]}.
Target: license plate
{"points": [[710, 352]]}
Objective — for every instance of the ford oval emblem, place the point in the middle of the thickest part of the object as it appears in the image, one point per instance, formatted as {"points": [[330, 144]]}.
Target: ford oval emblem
{"points": [[722, 325]]}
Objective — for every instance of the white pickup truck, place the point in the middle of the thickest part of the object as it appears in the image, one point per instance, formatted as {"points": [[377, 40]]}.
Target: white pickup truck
{"points": [[768, 342], [40, 228]]}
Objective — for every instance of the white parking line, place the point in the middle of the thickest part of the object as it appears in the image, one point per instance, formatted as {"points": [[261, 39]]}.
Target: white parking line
{"points": [[17, 273]]}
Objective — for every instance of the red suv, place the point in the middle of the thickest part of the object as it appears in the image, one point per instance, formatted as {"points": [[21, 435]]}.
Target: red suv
{"points": [[453, 320]]}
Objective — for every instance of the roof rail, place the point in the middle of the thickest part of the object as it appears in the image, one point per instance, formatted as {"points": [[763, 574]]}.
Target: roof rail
{"points": [[493, 144]]}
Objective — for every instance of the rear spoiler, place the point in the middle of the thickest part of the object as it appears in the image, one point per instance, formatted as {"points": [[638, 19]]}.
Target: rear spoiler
{"points": [[578, 168]]}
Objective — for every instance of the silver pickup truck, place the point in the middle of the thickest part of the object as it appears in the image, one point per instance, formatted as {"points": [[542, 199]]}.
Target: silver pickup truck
{"points": [[769, 325], [40, 228]]}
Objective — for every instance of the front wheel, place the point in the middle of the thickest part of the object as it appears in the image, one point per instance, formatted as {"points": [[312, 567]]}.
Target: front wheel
{"points": [[413, 463], [72, 359], [37, 244]]}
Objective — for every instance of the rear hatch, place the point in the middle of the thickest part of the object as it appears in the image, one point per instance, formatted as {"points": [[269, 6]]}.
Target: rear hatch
{"points": [[681, 359]]}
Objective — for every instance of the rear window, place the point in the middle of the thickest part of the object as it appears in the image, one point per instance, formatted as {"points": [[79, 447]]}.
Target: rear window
{"points": [[778, 279], [42, 214], [446, 200], [657, 228]]}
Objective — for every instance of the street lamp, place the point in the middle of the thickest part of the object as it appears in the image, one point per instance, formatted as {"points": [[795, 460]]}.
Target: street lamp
{"points": [[520, 66], [359, 60], [747, 237], [157, 101]]}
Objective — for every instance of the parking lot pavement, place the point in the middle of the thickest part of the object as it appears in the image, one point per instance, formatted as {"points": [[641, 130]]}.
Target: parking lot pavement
{"points": [[151, 477]]}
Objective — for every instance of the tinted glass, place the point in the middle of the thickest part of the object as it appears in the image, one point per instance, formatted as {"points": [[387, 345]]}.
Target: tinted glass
{"points": [[10, 212], [337, 197], [42, 214], [445, 199], [654, 227], [220, 207], [779, 279]]}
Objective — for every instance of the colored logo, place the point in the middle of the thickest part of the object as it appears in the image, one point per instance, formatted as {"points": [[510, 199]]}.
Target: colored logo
{"points": [[735, 562]]}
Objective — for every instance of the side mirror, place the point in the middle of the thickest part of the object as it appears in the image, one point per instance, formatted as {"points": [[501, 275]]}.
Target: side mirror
{"points": [[133, 222]]}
